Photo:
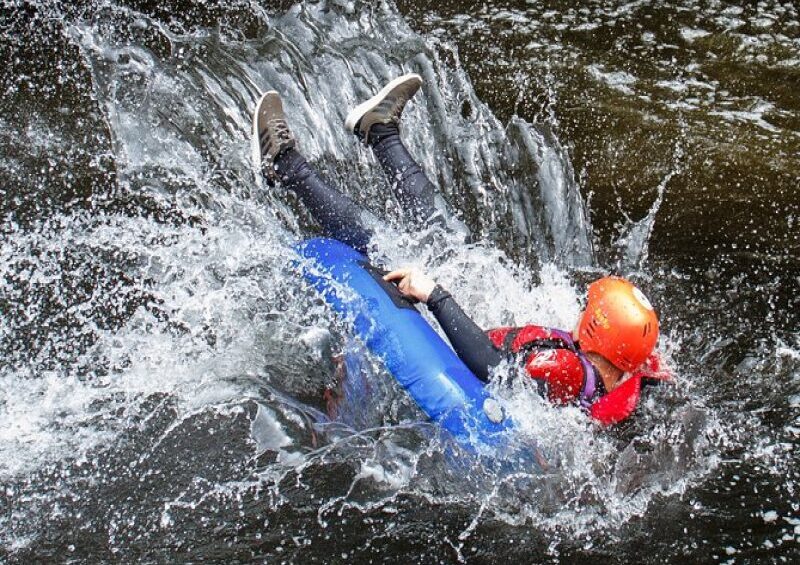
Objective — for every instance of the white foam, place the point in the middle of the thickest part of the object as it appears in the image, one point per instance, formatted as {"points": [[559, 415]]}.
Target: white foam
{"points": [[618, 80], [691, 34], [755, 115]]}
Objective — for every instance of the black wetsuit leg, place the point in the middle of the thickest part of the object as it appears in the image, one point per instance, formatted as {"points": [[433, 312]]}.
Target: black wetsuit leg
{"points": [[339, 216], [413, 189]]}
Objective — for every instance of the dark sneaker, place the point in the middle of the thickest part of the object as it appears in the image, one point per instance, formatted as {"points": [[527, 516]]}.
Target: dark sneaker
{"points": [[271, 134], [383, 108]]}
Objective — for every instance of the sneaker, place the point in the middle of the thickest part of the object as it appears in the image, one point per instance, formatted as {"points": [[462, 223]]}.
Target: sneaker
{"points": [[271, 134], [383, 108]]}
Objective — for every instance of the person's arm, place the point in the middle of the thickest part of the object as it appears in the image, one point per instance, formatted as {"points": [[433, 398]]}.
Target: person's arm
{"points": [[469, 341]]}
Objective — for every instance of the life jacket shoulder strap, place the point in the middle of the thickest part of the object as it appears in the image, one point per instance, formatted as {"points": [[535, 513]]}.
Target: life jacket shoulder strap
{"points": [[535, 338], [509, 339]]}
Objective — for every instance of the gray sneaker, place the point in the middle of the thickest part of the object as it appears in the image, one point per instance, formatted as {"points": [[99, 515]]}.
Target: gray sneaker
{"points": [[383, 108], [271, 134]]}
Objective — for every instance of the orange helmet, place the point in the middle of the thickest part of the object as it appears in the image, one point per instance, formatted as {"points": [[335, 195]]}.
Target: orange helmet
{"points": [[619, 323]]}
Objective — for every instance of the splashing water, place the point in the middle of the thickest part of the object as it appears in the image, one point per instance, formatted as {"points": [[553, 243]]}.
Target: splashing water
{"points": [[633, 242], [165, 369]]}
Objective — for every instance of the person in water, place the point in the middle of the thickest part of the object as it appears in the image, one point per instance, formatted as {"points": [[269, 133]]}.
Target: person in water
{"points": [[600, 366]]}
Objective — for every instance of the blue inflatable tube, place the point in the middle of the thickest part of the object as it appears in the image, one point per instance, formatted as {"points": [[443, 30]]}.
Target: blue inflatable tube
{"points": [[392, 328]]}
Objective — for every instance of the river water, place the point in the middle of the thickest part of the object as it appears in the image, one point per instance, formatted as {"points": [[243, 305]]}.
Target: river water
{"points": [[165, 373]]}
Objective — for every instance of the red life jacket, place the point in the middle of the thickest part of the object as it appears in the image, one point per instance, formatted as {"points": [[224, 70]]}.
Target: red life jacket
{"points": [[553, 358]]}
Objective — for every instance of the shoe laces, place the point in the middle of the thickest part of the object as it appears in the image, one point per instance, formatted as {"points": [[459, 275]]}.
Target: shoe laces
{"points": [[397, 109], [280, 129], [394, 106], [398, 106], [275, 135]]}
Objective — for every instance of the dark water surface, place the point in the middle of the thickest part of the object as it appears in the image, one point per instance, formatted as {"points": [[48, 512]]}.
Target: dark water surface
{"points": [[163, 372]]}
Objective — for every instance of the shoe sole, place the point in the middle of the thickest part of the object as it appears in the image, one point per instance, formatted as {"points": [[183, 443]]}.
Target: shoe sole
{"points": [[255, 140], [358, 112]]}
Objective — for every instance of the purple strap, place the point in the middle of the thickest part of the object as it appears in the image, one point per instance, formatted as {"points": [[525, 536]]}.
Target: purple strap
{"points": [[563, 336], [590, 382], [590, 385]]}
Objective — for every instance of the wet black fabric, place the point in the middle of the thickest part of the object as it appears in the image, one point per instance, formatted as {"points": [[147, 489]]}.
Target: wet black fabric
{"points": [[340, 217], [407, 179], [469, 341]]}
